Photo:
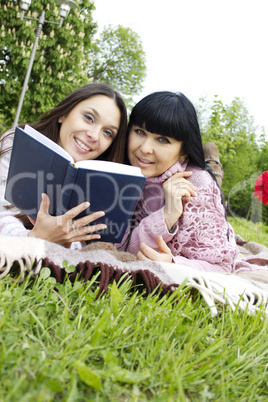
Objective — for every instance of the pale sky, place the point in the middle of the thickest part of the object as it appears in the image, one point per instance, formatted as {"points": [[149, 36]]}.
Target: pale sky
{"points": [[200, 47]]}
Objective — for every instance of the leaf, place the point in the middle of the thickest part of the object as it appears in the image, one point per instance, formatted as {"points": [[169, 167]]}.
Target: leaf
{"points": [[70, 269], [128, 377], [88, 376], [45, 273], [116, 298]]}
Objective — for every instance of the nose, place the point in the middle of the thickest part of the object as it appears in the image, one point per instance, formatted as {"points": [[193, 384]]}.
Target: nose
{"points": [[147, 147], [94, 133]]}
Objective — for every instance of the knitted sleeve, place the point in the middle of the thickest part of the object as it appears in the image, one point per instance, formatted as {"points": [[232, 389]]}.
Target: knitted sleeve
{"points": [[147, 231], [204, 233]]}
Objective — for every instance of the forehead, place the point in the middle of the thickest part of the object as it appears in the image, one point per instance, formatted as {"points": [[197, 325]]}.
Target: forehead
{"points": [[99, 100]]}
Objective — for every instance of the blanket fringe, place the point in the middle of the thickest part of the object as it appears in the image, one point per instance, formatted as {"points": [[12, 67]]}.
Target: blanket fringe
{"points": [[226, 289], [26, 265], [252, 299]]}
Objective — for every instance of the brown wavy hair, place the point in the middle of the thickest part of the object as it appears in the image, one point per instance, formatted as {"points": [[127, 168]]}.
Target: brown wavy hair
{"points": [[49, 126]]}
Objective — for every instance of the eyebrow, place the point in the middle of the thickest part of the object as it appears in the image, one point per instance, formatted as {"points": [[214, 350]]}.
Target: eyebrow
{"points": [[98, 115]]}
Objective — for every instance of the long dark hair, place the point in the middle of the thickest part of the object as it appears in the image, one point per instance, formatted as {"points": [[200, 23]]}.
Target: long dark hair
{"points": [[49, 125], [172, 115]]}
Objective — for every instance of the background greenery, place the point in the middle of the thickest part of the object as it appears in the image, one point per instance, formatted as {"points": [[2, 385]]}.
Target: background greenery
{"points": [[243, 151], [66, 57], [70, 346]]}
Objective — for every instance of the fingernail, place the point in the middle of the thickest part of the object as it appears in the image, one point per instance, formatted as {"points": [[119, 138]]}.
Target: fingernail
{"points": [[101, 213], [103, 226]]}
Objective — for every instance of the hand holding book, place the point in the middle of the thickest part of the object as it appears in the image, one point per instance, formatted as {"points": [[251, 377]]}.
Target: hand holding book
{"points": [[62, 229]]}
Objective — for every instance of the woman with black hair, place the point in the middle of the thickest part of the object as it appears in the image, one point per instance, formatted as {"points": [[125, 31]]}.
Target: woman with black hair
{"points": [[180, 217]]}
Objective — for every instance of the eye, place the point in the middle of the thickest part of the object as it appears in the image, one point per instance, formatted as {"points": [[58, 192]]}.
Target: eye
{"points": [[139, 131], [109, 134], [163, 140], [89, 117]]}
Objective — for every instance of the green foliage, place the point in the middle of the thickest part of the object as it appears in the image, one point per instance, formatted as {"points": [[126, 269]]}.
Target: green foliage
{"points": [[66, 57], [230, 127], [262, 160], [68, 345], [234, 133], [3, 127], [117, 58], [60, 61], [240, 198]]}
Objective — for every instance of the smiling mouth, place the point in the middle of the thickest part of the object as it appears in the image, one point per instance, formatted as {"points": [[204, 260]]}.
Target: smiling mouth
{"points": [[144, 161], [82, 145]]}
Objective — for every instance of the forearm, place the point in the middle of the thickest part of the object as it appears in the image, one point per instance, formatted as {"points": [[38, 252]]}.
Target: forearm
{"points": [[148, 230], [11, 226]]}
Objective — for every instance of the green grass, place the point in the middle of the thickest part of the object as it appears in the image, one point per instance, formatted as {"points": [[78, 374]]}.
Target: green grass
{"points": [[70, 346], [250, 231]]}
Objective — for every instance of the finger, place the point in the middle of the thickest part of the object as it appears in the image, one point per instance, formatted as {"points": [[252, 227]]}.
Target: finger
{"points": [[180, 175], [93, 228], [185, 183], [185, 193], [162, 245], [44, 206], [86, 230], [182, 186], [140, 256], [89, 218], [72, 213], [148, 251], [31, 220], [94, 236]]}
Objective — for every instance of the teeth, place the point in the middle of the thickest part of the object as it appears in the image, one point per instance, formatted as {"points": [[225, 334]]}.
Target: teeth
{"points": [[143, 161], [82, 145]]}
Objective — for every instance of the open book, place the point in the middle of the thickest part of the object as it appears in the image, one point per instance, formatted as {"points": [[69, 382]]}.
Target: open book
{"points": [[39, 165]]}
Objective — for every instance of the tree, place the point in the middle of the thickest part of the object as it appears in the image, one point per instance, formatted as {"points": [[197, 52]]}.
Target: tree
{"points": [[234, 133], [66, 57], [262, 160], [60, 61], [117, 58]]}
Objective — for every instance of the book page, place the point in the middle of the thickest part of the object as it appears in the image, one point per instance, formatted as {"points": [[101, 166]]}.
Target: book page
{"points": [[46, 141], [112, 167]]}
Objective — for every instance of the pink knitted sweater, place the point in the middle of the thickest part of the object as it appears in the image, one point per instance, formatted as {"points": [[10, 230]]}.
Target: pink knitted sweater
{"points": [[202, 238]]}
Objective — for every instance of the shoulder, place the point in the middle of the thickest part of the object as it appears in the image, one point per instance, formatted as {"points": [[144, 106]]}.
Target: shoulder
{"points": [[200, 177]]}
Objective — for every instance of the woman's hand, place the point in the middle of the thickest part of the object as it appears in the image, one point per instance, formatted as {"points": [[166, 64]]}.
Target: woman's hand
{"points": [[176, 187], [62, 229], [163, 255]]}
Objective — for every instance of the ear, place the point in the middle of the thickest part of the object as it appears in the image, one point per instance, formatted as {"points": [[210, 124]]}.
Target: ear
{"points": [[182, 158], [60, 120]]}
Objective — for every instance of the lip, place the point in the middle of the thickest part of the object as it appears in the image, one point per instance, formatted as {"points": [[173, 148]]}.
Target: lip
{"points": [[143, 162], [81, 149]]}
